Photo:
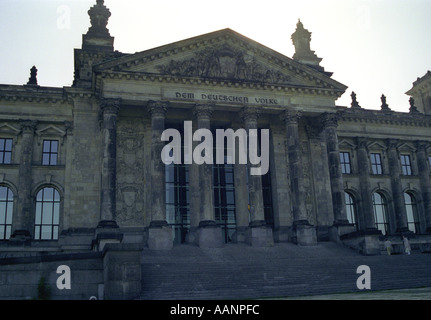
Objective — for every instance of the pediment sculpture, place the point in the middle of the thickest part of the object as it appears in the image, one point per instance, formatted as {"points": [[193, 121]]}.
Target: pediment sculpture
{"points": [[224, 62]]}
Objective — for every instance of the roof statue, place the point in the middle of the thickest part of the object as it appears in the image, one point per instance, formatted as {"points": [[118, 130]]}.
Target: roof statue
{"points": [[384, 105], [355, 103], [98, 36], [33, 76], [301, 39]]}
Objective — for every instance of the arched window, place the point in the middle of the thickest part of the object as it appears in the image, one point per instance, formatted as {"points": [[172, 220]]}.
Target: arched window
{"points": [[381, 212], [412, 212], [47, 216], [350, 208], [6, 211]]}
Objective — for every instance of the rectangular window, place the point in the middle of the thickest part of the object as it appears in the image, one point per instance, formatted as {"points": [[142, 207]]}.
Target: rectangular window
{"points": [[5, 151], [50, 153], [345, 162], [406, 165], [376, 163]]}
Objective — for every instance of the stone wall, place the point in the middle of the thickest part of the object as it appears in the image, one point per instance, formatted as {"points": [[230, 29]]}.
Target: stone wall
{"points": [[19, 277], [114, 273]]}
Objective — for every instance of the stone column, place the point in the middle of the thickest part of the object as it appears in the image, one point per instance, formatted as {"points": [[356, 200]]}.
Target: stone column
{"points": [[194, 196], [397, 190], [241, 198], [367, 222], [305, 233], [160, 236], [258, 234], [424, 176], [23, 220], [209, 234], [110, 109], [330, 123], [107, 230]]}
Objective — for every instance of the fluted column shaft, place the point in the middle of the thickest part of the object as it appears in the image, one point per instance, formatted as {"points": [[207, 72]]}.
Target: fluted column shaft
{"points": [[397, 190], [424, 176], [330, 124], [365, 185], [257, 215], [23, 222], [291, 119], [203, 115], [110, 109], [158, 111]]}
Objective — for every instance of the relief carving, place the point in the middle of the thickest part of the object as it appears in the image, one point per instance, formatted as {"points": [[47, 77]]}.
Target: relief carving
{"points": [[130, 173], [224, 62]]}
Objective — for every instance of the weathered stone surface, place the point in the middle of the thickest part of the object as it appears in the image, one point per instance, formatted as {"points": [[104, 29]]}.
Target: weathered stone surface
{"points": [[112, 181]]}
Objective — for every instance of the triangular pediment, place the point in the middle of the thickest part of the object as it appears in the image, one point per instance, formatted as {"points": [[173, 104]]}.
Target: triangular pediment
{"points": [[6, 128], [222, 55], [51, 130]]}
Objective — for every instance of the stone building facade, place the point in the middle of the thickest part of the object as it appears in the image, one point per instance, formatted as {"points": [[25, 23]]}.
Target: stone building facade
{"points": [[81, 166]]}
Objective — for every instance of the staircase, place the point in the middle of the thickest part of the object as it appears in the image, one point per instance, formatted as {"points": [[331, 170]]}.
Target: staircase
{"points": [[239, 271]]}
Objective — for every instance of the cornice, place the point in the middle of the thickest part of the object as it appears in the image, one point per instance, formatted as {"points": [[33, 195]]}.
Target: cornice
{"points": [[33, 94], [221, 83], [385, 117], [43, 95]]}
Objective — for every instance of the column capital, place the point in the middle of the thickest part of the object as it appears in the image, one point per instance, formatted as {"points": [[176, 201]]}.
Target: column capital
{"points": [[110, 106], [362, 143], [329, 119], [422, 145], [392, 143], [250, 114], [28, 126], [203, 111], [291, 116], [158, 109]]}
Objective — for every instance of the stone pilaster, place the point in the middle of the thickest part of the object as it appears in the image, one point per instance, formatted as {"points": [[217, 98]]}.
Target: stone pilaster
{"points": [[367, 222], [23, 220], [330, 123], [160, 235], [258, 233], [107, 230], [305, 232], [209, 234], [397, 190], [424, 176]]}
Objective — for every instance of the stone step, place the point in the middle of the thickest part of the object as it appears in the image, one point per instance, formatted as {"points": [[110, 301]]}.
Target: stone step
{"points": [[285, 270]]}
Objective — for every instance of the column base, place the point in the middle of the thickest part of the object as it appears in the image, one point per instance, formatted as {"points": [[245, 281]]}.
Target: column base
{"points": [[366, 242], [282, 233], [240, 235], [304, 234], [209, 235], [191, 237], [160, 236], [339, 229], [20, 237], [107, 231], [404, 232], [259, 235]]}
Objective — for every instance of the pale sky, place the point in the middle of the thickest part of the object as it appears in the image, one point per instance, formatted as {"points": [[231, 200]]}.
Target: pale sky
{"points": [[373, 47]]}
